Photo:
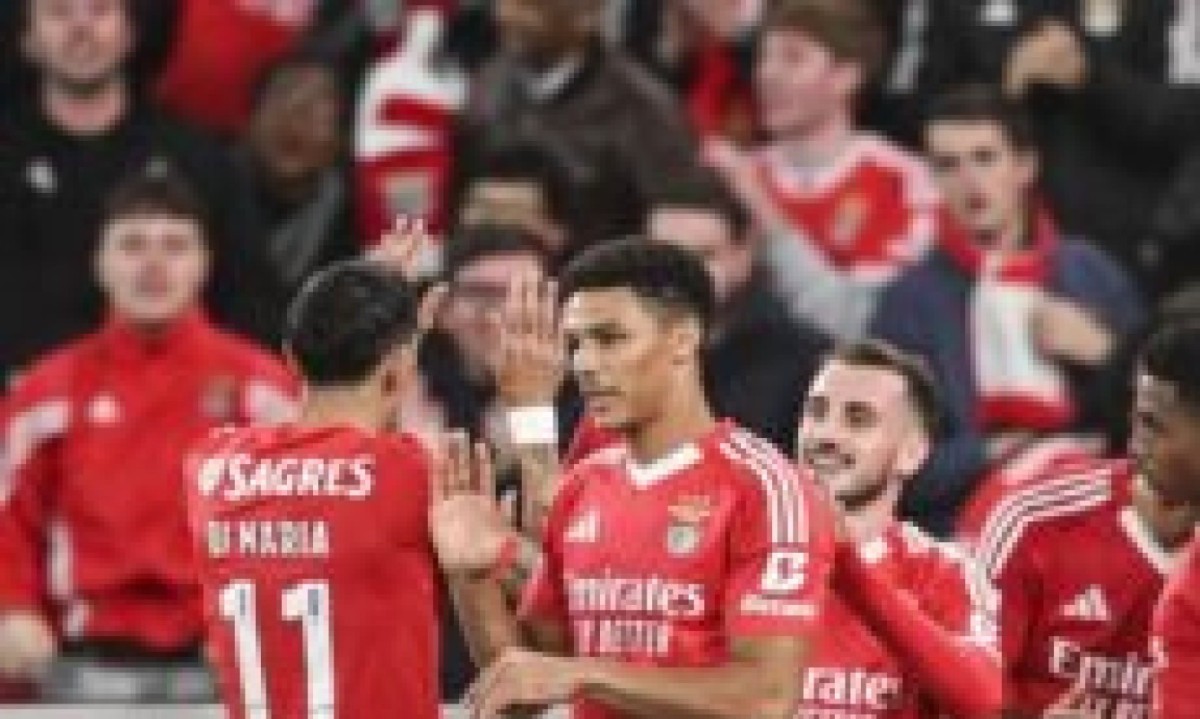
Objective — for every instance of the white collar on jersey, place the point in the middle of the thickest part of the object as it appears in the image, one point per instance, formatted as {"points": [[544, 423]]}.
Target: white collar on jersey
{"points": [[655, 471], [1139, 534]]}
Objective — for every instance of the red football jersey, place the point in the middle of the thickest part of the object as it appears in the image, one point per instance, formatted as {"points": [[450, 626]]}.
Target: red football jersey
{"points": [[854, 672], [92, 441], [1079, 575], [320, 583], [1175, 644], [871, 212], [662, 564]]}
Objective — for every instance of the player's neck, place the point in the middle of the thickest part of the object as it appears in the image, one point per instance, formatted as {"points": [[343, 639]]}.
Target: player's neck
{"points": [[821, 145], [339, 407], [1171, 526], [685, 418], [90, 113], [870, 521]]}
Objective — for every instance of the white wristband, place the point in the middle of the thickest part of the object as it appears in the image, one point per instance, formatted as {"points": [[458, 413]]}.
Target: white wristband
{"points": [[533, 425]]}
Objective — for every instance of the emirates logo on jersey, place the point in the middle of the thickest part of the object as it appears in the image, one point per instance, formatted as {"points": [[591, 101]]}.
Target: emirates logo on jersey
{"points": [[849, 688], [1128, 675]]}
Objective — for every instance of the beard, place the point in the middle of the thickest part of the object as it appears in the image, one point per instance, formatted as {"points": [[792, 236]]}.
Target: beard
{"points": [[857, 498]]}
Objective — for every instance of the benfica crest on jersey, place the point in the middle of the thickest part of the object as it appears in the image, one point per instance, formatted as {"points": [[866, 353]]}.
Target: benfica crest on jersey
{"points": [[686, 526]]}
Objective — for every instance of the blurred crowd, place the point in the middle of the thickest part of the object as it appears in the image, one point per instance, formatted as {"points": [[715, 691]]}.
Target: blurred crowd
{"points": [[1008, 188]]}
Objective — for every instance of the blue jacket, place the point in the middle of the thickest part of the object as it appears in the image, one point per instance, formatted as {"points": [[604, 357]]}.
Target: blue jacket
{"points": [[925, 312]]}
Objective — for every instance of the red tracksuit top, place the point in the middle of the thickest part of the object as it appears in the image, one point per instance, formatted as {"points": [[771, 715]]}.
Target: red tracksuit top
{"points": [[93, 524]]}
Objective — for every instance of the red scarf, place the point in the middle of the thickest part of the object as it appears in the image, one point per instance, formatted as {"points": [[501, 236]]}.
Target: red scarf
{"points": [[1017, 386]]}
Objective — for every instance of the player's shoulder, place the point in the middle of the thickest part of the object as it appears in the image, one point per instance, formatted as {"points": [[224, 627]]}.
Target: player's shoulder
{"points": [[1069, 502], [746, 460]]}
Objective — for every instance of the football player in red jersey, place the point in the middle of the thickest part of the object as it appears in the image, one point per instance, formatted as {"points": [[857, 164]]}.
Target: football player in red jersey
{"points": [[1081, 561], [320, 582], [911, 630], [1166, 448], [685, 568]]}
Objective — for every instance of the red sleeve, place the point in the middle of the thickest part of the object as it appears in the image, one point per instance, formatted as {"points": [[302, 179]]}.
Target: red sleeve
{"points": [[31, 422], [945, 635], [781, 552], [1015, 577], [408, 479], [544, 598]]}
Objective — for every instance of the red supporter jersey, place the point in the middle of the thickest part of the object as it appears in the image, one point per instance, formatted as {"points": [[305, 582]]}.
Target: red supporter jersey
{"points": [[219, 52], [1079, 575], [854, 674], [1176, 643], [663, 564], [871, 212], [92, 441], [320, 583]]}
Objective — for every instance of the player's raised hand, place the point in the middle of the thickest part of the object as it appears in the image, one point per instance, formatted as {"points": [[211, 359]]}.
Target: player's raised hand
{"points": [[466, 522], [400, 248], [523, 679], [530, 362]]}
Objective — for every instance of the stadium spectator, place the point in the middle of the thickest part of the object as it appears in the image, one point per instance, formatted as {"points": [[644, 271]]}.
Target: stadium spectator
{"points": [[862, 207], [98, 571], [915, 615], [219, 50], [1103, 176], [64, 149], [704, 51], [294, 155], [724, 596], [616, 130], [522, 186], [487, 268], [757, 359], [1015, 318]]}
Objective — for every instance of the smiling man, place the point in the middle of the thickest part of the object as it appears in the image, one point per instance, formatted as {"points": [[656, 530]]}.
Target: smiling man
{"points": [[912, 622]]}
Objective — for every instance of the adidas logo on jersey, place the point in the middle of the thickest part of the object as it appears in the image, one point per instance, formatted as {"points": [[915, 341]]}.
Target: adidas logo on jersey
{"points": [[1089, 606], [585, 529]]}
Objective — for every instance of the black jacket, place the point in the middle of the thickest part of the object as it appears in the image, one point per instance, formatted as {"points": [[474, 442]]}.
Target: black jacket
{"points": [[759, 365], [52, 190]]}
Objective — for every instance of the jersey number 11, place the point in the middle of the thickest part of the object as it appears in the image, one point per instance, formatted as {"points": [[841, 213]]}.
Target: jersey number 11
{"points": [[307, 603]]}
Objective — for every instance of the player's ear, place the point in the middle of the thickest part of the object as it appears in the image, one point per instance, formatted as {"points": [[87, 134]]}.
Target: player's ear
{"points": [[687, 336], [399, 370], [913, 452]]}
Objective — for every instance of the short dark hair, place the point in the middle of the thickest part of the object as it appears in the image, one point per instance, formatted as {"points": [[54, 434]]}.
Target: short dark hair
{"points": [[851, 29], [154, 193], [983, 103], [1172, 355], [922, 389], [523, 161], [702, 190], [346, 319], [470, 244], [664, 275]]}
